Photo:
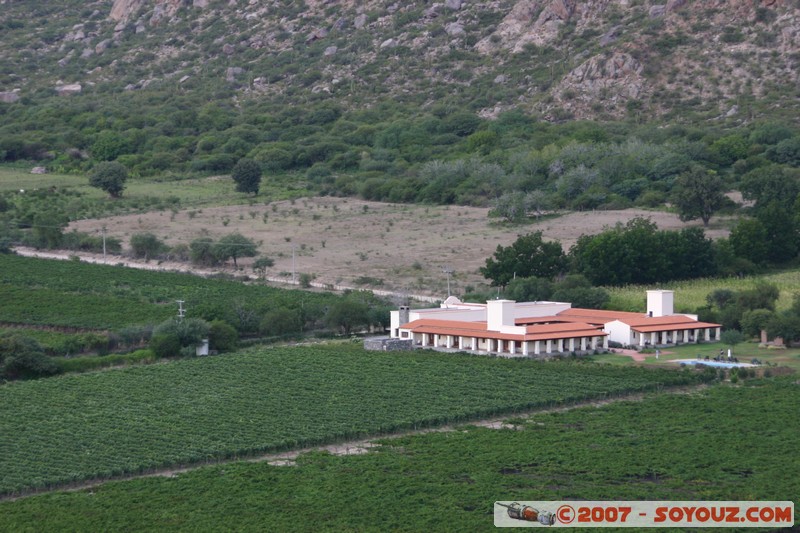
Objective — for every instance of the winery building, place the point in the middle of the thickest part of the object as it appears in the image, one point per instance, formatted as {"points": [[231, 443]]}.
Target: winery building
{"points": [[547, 328]]}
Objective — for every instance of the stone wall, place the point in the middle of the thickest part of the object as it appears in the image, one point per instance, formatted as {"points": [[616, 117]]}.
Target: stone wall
{"points": [[387, 344]]}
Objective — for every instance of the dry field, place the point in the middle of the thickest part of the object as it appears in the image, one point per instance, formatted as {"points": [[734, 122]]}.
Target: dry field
{"points": [[343, 241]]}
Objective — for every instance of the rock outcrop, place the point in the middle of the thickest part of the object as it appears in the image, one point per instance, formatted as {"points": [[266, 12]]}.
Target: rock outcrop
{"points": [[69, 89], [9, 97]]}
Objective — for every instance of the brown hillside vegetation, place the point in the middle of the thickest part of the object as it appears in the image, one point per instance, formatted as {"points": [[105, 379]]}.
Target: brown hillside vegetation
{"points": [[388, 246]]}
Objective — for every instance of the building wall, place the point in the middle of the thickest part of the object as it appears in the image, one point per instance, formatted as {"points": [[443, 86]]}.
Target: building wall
{"points": [[618, 332]]}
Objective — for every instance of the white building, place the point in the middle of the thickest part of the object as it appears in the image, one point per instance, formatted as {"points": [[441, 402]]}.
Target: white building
{"points": [[546, 328]]}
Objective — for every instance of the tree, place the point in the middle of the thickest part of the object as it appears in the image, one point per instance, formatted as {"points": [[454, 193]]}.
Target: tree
{"points": [[185, 334], [222, 337], [528, 256], [698, 194], [782, 232], [579, 291], [749, 240], [201, 251], [731, 337], [247, 175], [261, 265], [281, 321], [109, 176], [755, 320], [23, 357], [769, 184], [347, 313], [510, 206], [233, 246], [786, 326], [147, 245], [48, 229], [529, 289]]}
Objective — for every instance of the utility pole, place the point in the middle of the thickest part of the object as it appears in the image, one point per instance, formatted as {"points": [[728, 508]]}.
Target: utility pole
{"points": [[448, 271], [181, 310], [104, 243]]}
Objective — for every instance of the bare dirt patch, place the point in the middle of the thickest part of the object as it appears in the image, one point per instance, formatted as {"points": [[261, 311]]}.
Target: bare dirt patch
{"points": [[343, 241]]}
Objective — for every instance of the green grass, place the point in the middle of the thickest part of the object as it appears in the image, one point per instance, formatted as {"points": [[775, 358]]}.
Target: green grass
{"points": [[725, 443], [196, 192], [130, 420], [689, 295], [12, 179]]}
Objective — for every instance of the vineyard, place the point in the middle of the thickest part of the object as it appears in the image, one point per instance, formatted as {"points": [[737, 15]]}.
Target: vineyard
{"points": [[81, 295], [132, 420], [724, 443]]}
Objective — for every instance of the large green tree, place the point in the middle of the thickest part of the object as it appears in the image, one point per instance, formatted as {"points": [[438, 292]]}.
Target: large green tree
{"points": [[247, 175], [147, 245], [233, 246], [347, 314], [698, 194], [528, 256], [109, 176], [749, 241]]}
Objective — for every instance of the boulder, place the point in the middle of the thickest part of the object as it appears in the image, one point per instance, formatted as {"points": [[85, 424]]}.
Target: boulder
{"points": [[64, 60], [200, 3], [389, 43], [87, 52], [316, 35], [432, 12], [455, 5], [101, 47], [122, 9], [672, 5], [360, 21], [66, 90], [500, 79], [231, 73], [610, 36], [9, 97], [454, 29], [657, 11], [228, 49], [331, 50], [38, 170]]}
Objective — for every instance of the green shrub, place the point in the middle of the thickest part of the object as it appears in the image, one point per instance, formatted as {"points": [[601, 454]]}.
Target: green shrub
{"points": [[165, 345], [222, 336]]}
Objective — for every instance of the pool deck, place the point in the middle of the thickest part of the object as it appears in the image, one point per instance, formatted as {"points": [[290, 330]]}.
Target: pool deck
{"points": [[718, 364]]}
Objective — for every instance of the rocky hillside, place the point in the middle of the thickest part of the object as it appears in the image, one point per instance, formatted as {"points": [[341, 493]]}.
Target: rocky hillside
{"points": [[561, 59]]}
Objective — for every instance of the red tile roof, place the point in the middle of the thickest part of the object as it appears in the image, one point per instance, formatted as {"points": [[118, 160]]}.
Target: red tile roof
{"points": [[479, 329], [637, 321]]}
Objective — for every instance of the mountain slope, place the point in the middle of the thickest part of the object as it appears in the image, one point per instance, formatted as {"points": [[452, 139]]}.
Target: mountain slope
{"points": [[599, 59]]}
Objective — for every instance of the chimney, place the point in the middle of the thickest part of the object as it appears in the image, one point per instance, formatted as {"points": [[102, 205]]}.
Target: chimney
{"points": [[660, 303], [499, 313], [404, 314]]}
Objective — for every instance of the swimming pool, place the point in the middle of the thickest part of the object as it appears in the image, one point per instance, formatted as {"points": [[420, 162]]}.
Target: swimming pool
{"points": [[717, 364]]}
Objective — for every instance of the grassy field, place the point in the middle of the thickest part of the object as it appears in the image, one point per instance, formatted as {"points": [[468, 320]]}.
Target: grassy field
{"points": [[689, 295], [215, 190], [724, 443], [103, 424]]}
